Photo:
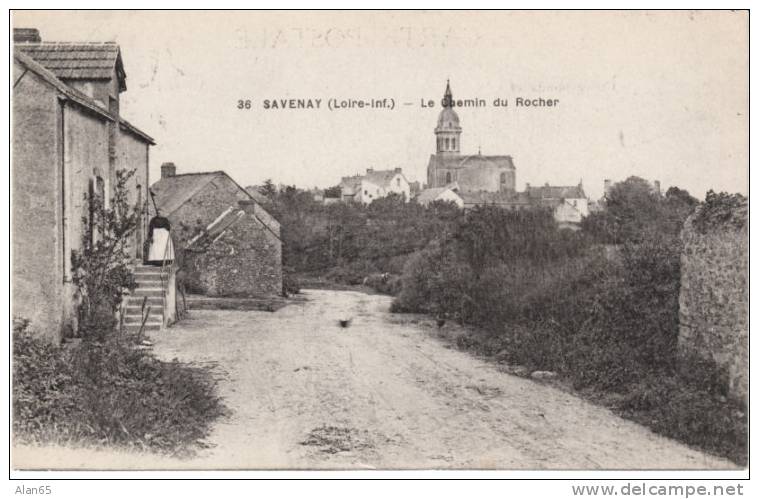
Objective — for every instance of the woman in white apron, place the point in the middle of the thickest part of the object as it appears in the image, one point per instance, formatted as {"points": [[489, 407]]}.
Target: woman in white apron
{"points": [[161, 249]]}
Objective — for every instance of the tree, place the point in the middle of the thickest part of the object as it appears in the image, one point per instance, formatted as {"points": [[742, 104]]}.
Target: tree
{"points": [[634, 210], [268, 189], [333, 192]]}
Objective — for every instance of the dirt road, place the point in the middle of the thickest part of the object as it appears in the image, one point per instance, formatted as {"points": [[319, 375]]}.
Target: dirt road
{"points": [[385, 393]]}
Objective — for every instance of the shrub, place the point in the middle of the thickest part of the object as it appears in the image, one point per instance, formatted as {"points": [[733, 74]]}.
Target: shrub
{"points": [[384, 283], [553, 300], [101, 270], [108, 393]]}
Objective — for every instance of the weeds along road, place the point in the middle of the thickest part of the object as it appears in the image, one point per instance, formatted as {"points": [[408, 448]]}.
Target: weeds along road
{"points": [[383, 393]]}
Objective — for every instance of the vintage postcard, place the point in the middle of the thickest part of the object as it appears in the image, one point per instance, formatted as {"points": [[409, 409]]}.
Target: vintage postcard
{"points": [[384, 240]]}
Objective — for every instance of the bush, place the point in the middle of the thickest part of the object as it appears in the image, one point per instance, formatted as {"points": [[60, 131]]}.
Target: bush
{"points": [[554, 300], [384, 283], [108, 393]]}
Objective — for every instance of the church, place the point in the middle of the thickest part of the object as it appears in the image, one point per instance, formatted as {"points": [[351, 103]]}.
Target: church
{"points": [[471, 172], [476, 180]]}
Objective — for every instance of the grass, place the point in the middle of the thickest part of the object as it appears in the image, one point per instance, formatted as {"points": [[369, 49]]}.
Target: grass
{"points": [[109, 394]]}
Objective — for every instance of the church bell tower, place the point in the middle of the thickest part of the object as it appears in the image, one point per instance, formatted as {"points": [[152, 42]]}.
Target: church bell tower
{"points": [[448, 130]]}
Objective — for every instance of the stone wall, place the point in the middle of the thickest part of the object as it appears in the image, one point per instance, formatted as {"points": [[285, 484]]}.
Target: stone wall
{"points": [[246, 260], [714, 297], [132, 154], [37, 263]]}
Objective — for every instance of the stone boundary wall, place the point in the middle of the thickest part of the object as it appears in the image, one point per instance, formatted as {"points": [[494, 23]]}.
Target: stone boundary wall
{"points": [[714, 293]]}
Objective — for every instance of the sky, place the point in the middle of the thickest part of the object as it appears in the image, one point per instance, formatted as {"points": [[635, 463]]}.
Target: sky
{"points": [[662, 95]]}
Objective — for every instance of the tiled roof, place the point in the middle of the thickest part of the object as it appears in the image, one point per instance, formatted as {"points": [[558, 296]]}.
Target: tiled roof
{"points": [[172, 192], [430, 195], [471, 161], [381, 177], [78, 61], [256, 194], [556, 192], [494, 198]]}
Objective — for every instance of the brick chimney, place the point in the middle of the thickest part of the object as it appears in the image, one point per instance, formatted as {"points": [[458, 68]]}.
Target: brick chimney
{"points": [[657, 187], [168, 170], [398, 170], [26, 35], [369, 170]]}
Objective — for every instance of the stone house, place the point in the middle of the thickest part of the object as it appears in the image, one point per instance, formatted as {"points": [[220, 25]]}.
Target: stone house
{"points": [[237, 254], [226, 243], [375, 184], [68, 141]]}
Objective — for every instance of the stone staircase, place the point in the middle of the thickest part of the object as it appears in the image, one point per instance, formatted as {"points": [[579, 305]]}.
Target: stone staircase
{"points": [[148, 278]]}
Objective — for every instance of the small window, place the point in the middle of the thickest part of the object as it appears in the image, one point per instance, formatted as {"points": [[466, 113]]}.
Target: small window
{"points": [[453, 144], [398, 182], [366, 192], [447, 177], [447, 144], [503, 178]]}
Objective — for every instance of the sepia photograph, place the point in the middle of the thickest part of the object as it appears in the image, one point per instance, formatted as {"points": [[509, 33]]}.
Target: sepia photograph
{"points": [[379, 240]]}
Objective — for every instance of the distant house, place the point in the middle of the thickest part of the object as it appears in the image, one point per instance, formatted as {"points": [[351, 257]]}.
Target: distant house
{"points": [[246, 258], [415, 188], [447, 194], [375, 184], [238, 254], [507, 200], [569, 203], [318, 194], [69, 140]]}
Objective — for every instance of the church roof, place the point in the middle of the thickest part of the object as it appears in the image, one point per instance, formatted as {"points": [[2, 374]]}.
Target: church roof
{"points": [[78, 61], [470, 161]]}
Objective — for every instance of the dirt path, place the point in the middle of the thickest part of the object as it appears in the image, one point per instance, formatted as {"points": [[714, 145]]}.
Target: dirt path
{"points": [[384, 393]]}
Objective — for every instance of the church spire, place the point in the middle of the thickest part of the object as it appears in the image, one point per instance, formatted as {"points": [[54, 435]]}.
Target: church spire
{"points": [[448, 130], [448, 96]]}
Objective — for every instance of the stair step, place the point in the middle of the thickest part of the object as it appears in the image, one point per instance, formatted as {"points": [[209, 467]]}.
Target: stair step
{"points": [[155, 292], [147, 270], [150, 326], [136, 301], [136, 319], [137, 309], [147, 278]]}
